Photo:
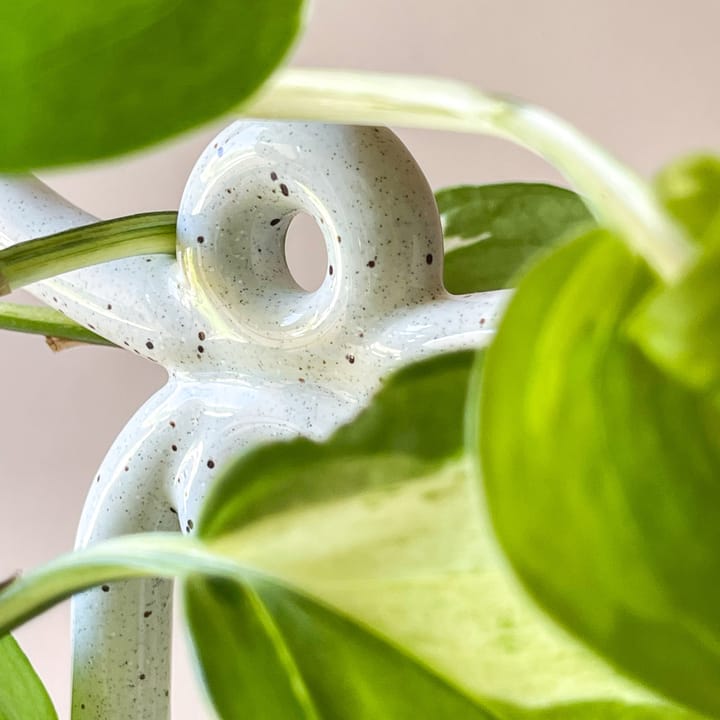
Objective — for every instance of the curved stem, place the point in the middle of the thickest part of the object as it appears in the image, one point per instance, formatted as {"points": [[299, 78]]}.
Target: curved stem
{"points": [[35, 260], [620, 200], [130, 556]]}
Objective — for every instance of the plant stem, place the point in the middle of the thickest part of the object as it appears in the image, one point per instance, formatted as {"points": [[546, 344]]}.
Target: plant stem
{"points": [[35, 260], [39, 320], [620, 200], [129, 556]]}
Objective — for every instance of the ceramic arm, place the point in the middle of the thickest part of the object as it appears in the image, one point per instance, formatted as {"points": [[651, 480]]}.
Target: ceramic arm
{"points": [[452, 322], [122, 630], [126, 301]]}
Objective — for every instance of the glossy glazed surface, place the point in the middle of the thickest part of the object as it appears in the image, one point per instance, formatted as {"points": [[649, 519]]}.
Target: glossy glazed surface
{"points": [[251, 357]]}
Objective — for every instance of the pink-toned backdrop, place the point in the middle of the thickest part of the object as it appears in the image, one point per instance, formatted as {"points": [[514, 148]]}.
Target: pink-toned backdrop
{"points": [[640, 77]]}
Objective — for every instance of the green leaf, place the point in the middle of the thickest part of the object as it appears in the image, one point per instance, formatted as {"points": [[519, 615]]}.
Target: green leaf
{"points": [[287, 656], [601, 473], [381, 593], [492, 231], [599, 711], [678, 327], [404, 422], [690, 190], [85, 80], [22, 694]]}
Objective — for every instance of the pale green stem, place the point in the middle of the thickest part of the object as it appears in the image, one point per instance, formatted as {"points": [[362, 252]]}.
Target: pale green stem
{"points": [[40, 320], [620, 200], [129, 556], [35, 260]]}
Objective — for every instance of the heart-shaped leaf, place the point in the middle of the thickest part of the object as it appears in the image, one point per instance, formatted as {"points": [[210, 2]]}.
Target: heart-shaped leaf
{"points": [[601, 473], [85, 80], [381, 594], [492, 231]]}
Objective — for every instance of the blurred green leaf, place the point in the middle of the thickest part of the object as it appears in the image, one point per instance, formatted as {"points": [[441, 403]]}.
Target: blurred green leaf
{"points": [[601, 473], [84, 80], [22, 694], [492, 231], [381, 593], [690, 190], [678, 327]]}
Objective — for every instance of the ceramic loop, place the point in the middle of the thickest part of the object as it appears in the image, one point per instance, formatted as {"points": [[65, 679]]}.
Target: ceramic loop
{"points": [[365, 192]]}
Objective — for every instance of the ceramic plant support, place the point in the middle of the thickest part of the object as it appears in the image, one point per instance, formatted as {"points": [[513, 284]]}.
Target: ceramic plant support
{"points": [[250, 356]]}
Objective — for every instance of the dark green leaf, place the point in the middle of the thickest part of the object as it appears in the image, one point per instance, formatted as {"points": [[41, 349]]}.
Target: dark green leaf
{"points": [[492, 231], [690, 190], [22, 694], [291, 657], [598, 711], [382, 595], [601, 473], [85, 80]]}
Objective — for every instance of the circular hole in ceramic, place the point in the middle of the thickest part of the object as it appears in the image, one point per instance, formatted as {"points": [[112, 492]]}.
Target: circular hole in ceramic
{"points": [[306, 252]]}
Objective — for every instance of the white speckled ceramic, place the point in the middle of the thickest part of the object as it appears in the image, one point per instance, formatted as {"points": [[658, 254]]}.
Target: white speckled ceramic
{"points": [[251, 357]]}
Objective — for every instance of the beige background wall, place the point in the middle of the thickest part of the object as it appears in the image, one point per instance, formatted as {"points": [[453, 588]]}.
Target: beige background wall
{"points": [[640, 76]]}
